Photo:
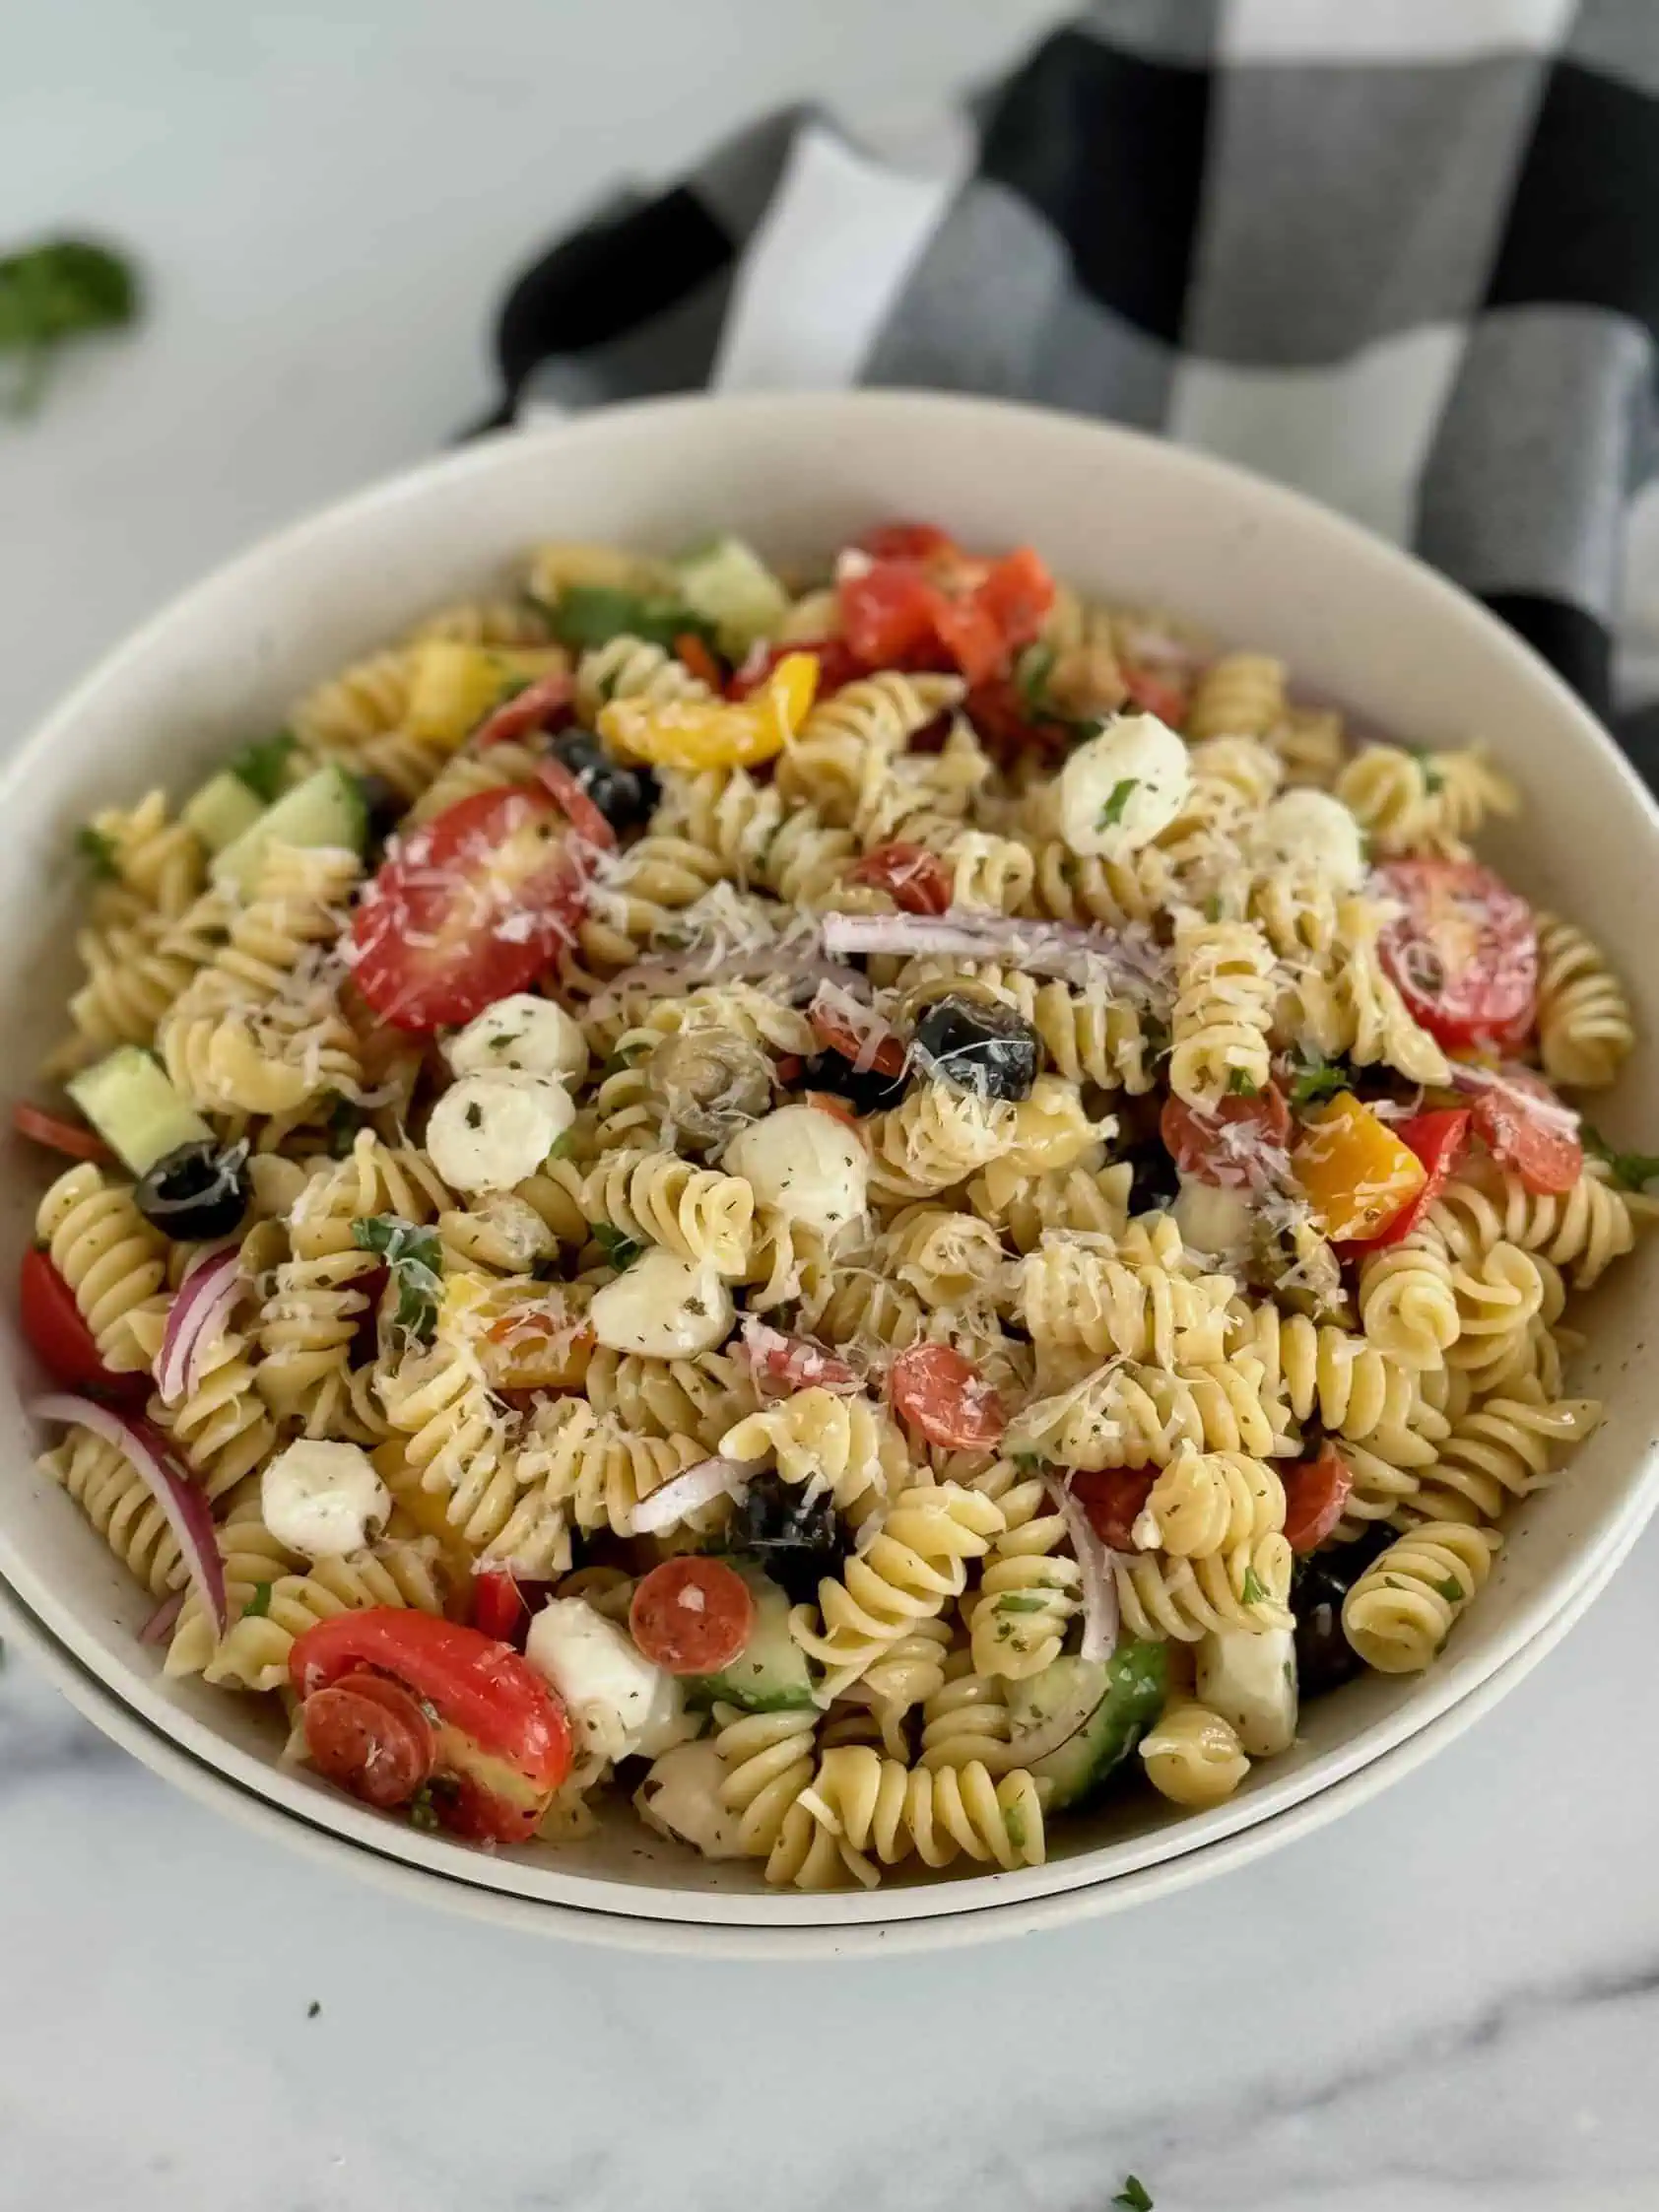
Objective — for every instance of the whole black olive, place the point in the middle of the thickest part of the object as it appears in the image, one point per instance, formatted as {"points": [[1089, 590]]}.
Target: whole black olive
{"points": [[384, 804], [1320, 1582], [1156, 1183], [196, 1190], [622, 795], [988, 1050], [866, 1090], [797, 1543]]}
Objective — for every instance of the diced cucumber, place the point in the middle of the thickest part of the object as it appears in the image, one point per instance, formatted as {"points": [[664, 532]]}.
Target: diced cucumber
{"points": [[221, 810], [731, 587], [1078, 1719], [769, 1674], [327, 809], [132, 1105]]}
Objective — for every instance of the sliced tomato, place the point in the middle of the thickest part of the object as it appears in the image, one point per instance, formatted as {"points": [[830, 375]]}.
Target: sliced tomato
{"points": [[368, 1734], [918, 880], [1017, 594], [467, 911], [875, 1047], [689, 649], [837, 666], [504, 1604], [692, 1615], [906, 541], [1156, 694], [945, 1396], [72, 1138], [887, 614], [1525, 1127], [1233, 1145], [578, 809], [1315, 1493], [56, 1333], [1464, 951], [1002, 716], [972, 636], [1440, 1139], [1113, 1499], [543, 704], [793, 1363]]}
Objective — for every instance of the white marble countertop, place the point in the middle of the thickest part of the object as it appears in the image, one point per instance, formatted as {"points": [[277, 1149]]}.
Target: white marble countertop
{"points": [[1449, 2001]]}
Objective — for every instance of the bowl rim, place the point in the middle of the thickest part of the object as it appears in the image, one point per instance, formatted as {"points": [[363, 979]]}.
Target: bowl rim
{"points": [[1188, 472]]}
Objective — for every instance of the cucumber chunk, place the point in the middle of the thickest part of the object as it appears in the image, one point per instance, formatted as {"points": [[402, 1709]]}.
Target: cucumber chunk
{"points": [[769, 1674], [221, 811], [1079, 1719], [327, 809], [134, 1108], [732, 587]]}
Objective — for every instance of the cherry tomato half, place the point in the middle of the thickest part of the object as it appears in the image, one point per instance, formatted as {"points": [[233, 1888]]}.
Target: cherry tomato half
{"points": [[887, 614], [917, 881], [1525, 1127], [1113, 1499], [1464, 953], [72, 1138], [1224, 1146], [692, 1615], [1315, 1493], [906, 541], [945, 1396], [1440, 1139], [468, 909], [56, 1333], [367, 1734]]}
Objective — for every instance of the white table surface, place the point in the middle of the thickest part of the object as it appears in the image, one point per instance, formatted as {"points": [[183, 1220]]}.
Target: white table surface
{"points": [[1447, 2002]]}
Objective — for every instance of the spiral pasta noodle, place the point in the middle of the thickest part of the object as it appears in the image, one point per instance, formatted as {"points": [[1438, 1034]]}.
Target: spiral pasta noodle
{"points": [[1192, 1755], [1400, 1612], [108, 1256], [819, 1439]]}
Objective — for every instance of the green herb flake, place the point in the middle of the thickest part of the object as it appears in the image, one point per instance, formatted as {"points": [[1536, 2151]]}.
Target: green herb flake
{"points": [[422, 1813], [1015, 1821], [589, 615], [314, 2008], [474, 1115], [1451, 1590], [623, 1056], [344, 1122], [1251, 1592], [1029, 1462], [1121, 794], [1134, 2194], [50, 294], [93, 847], [1314, 1078], [1020, 1605], [622, 1251], [263, 766], [560, 1147], [1239, 1085], [1631, 1171], [259, 1604], [1030, 678], [416, 1259]]}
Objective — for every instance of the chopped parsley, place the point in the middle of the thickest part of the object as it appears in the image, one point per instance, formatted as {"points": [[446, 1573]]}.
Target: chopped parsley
{"points": [[416, 1259], [344, 1122], [1121, 794], [50, 294], [1252, 1591], [1239, 1085], [263, 766], [1425, 756], [259, 1604], [422, 1813], [1631, 1171], [1015, 1604], [1015, 1821], [1031, 672], [593, 614], [623, 1056], [1133, 2195], [622, 1251], [475, 1115], [1029, 1462], [1451, 1590], [94, 846], [1316, 1078]]}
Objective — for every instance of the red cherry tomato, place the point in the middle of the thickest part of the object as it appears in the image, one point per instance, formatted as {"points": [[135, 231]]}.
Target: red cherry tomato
{"points": [[1152, 694], [906, 541], [1315, 1493], [692, 1615], [1225, 1146], [498, 1608], [367, 1734], [1003, 719], [918, 880], [1439, 1140], [1525, 1127], [1017, 593], [73, 1138], [579, 810], [833, 1027], [837, 666], [887, 614], [1464, 953], [1113, 1499], [58, 1337], [945, 1396], [467, 910], [972, 636], [539, 705]]}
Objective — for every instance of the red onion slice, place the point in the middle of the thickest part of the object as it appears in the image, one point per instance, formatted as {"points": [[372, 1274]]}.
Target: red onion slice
{"points": [[1100, 1588], [697, 1485], [164, 1620], [196, 1321], [183, 1502], [1119, 959]]}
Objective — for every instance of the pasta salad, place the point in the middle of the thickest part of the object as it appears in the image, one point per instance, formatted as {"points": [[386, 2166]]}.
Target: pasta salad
{"points": [[857, 1208]]}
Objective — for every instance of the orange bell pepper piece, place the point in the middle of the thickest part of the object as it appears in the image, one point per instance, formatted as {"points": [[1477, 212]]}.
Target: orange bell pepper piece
{"points": [[1354, 1171]]}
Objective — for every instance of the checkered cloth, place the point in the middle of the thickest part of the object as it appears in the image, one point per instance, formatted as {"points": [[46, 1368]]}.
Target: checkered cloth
{"points": [[1405, 257]]}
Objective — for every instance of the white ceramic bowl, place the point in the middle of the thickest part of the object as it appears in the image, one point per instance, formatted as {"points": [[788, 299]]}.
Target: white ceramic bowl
{"points": [[1113, 513]]}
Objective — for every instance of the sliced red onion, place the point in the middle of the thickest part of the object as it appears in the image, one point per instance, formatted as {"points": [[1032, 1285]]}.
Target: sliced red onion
{"points": [[1100, 1588], [794, 1361], [697, 1485], [182, 1502], [164, 1620], [196, 1321], [1124, 959]]}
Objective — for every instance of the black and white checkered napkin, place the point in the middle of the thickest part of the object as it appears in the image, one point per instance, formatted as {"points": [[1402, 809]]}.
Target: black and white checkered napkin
{"points": [[1403, 256]]}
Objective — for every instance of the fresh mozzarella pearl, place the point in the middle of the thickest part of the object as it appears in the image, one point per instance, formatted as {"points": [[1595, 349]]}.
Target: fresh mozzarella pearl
{"points": [[663, 1305], [323, 1500], [525, 1034], [1250, 1679], [489, 1133], [1121, 788], [619, 1703], [1214, 1221], [681, 1797], [811, 1167], [1310, 833]]}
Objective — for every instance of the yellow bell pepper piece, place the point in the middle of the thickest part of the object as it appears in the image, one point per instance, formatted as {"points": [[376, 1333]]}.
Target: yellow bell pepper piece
{"points": [[452, 688], [1354, 1171], [525, 1336], [716, 733]]}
